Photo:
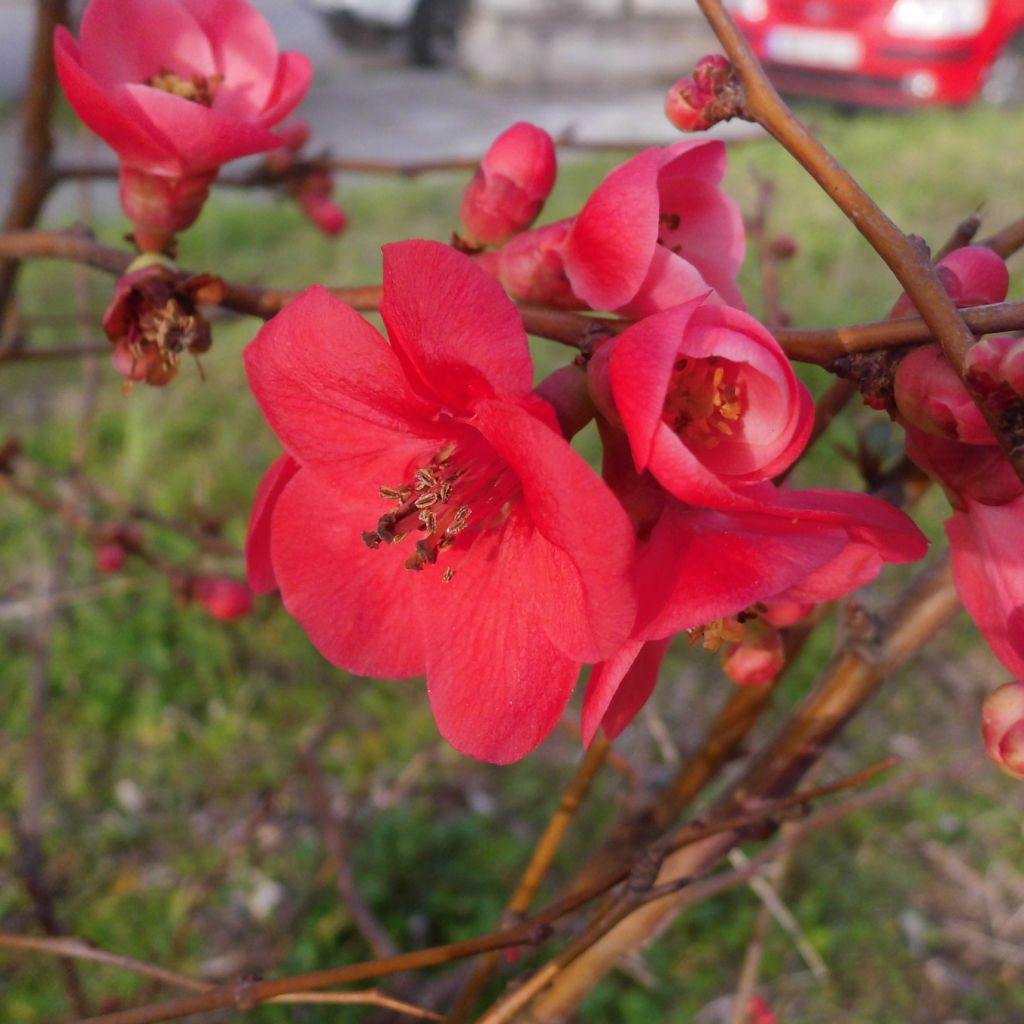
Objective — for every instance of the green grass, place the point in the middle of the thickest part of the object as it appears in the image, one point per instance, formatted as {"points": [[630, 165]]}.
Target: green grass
{"points": [[175, 797]]}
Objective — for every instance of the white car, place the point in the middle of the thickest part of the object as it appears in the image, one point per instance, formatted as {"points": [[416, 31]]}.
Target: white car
{"points": [[430, 26]]}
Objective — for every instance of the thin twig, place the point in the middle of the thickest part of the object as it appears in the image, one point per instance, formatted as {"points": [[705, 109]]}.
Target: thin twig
{"points": [[536, 871]]}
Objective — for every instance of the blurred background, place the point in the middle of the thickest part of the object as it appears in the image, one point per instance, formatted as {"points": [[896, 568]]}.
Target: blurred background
{"points": [[177, 822]]}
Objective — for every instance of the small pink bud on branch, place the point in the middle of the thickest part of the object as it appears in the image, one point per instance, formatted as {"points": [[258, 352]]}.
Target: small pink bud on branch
{"points": [[1002, 721], [713, 94]]}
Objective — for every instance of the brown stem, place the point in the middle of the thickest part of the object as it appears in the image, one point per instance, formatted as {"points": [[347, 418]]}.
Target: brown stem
{"points": [[540, 864], [577, 330], [856, 673], [908, 261], [380, 943], [1008, 240], [34, 180], [45, 355]]}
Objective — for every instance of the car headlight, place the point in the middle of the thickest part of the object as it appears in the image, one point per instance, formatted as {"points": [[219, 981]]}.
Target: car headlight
{"points": [[751, 10], [937, 19]]}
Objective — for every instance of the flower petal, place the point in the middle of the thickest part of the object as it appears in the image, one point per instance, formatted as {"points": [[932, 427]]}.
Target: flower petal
{"points": [[702, 565], [608, 251], [133, 40], [244, 52], [333, 390], [356, 604], [620, 687], [497, 684], [988, 567], [112, 116], [202, 136], [453, 325], [577, 559], [294, 76], [257, 545]]}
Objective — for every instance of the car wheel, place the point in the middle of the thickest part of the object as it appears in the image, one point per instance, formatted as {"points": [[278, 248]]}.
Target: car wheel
{"points": [[434, 31], [1004, 83]]}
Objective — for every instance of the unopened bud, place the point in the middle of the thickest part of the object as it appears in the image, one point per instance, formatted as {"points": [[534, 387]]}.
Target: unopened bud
{"points": [[713, 94], [761, 1012], [785, 613], [315, 195], [222, 597], [510, 186], [531, 267], [1002, 724], [931, 396], [995, 367], [110, 557], [758, 658], [784, 247]]}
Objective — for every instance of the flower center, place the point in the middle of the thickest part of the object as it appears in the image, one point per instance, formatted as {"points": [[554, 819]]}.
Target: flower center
{"points": [[668, 224], [448, 502], [197, 89], [703, 401]]}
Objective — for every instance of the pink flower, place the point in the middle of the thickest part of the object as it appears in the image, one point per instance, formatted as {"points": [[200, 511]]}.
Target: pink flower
{"points": [[988, 567], [223, 598], [177, 88], [532, 267], [510, 186], [995, 367], [658, 231], [708, 399], [429, 517], [696, 566], [110, 557], [1002, 720]]}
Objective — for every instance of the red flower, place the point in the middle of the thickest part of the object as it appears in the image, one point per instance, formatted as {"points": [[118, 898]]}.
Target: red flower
{"points": [[510, 186], [708, 399], [658, 231], [429, 517], [177, 88]]}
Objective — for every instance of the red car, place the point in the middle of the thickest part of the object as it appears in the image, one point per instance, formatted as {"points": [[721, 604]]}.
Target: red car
{"points": [[890, 52]]}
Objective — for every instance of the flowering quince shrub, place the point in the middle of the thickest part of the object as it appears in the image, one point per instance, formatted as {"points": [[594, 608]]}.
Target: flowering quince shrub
{"points": [[428, 516]]}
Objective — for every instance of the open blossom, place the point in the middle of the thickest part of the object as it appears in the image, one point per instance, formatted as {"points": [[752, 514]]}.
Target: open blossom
{"points": [[428, 517], [177, 88], [701, 409], [658, 231], [510, 186]]}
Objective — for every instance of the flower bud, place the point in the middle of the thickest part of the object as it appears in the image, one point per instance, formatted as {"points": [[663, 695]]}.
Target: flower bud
{"points": [[784, 247], [761, 1012], [110, 557], [223, 598], [758, 658], [315, 195], [995, 366], [160, 207], [532, 269], [931, 396], [510, 186], [1002, 723], [695, 104], [785, 613]]}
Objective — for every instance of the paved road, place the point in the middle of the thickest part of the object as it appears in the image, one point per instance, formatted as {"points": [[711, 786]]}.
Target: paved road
{"points": [[375, 106]]}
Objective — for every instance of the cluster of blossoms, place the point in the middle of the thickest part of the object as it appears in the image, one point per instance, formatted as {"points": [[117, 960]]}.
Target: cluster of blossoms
{"points": [[178, 88], [429, 516]]}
